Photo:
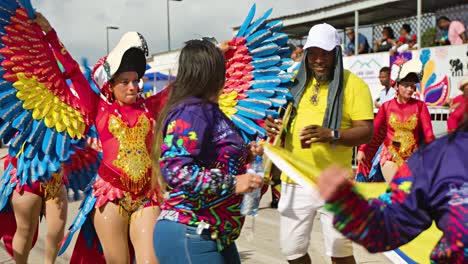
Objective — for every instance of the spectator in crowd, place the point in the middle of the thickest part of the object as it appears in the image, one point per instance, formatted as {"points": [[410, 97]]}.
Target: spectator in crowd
{"points": [[297, 57], [457, 107], [404, 45], [362, 42], [386, 42], [405, 31], [454, 32], [387, 93]]}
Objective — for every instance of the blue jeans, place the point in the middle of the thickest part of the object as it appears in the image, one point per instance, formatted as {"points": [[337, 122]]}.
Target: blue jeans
{"points": [[177, 243]]}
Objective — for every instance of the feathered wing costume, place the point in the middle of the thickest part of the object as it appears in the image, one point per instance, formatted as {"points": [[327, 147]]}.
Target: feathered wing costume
{"points": [[40, 117], [256, 78]]}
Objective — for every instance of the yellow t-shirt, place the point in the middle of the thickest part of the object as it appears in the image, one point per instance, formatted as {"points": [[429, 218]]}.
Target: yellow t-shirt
{"points": [[357, 102]]}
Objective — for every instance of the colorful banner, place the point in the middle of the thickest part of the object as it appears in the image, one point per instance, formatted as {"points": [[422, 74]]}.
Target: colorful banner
{"points": [[367, 67], [444, 69]]}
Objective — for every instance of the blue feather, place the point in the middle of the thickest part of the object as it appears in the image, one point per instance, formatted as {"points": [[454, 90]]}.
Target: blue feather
{"points": [[49, 141], [275, 25], [253, 128], [247, 21], [5, 85], [23, 119], [286, 77], [12, 110], [255, 103], [36, 145], [279, 39], [284, 52], [26, 4], [256, 39], [258, 24], [267, 62], [8, 96], [267, 81], [264, 50], [10, 5], [18, 141], [6, 130], [86, 207], [63, 146], [272, 113], [266, 72], [251, 112], [6, 187], [252, 93], [279, 101], [286, 63]]}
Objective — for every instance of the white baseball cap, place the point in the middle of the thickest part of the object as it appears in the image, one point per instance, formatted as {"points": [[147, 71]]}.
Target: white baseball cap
{"points": [[323, 36]]}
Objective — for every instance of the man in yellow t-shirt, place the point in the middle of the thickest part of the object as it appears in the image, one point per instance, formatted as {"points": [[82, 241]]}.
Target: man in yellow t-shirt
{"points": [[333, 112]]}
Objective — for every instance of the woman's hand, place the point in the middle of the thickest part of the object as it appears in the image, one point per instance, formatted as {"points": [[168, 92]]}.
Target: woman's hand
{"points": [[225, 46], [248, 182], [360, 157], [254, 150], [331, 181], [42, 22]]}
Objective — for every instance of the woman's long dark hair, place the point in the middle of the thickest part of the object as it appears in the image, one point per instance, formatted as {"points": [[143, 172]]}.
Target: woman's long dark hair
{"points": [[201, 74]]}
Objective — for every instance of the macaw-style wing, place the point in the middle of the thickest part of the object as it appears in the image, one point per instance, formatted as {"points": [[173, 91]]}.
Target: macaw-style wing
{"points": [[83, 164], [256, 78], [39, 115]]}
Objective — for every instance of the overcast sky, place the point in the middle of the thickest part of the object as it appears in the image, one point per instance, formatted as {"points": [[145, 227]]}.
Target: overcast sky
{"points": [[81, 24]]}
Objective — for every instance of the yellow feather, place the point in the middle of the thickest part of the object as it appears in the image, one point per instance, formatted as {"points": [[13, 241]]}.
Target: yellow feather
{"points": [[71, 132], [60, 126], [49, 121], [66, 120]]}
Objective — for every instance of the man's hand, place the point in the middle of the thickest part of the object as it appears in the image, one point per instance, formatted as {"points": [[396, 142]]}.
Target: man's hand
{"points": [[315, 133], [273, 126]]}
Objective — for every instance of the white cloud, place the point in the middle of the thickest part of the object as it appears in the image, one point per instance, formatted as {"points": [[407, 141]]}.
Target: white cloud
{"points": [[81, 24]]}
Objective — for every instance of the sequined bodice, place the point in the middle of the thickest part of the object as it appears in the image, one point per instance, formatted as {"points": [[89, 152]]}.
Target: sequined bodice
{"points": [[133, 157]]}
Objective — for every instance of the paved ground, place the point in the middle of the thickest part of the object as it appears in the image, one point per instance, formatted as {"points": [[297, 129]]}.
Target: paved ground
{"points": [[262, 248]]}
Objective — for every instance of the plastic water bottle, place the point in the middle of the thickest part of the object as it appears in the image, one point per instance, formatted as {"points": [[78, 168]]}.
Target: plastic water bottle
{"points": [[251, 200]]}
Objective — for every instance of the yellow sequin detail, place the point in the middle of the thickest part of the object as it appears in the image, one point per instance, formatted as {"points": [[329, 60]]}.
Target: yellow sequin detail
{"points": [[133, 157], [128, 205], [405, 136], [53, 186]]}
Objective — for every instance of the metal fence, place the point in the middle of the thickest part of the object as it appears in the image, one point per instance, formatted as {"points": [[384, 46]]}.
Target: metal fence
{"points": [[427, 22]]}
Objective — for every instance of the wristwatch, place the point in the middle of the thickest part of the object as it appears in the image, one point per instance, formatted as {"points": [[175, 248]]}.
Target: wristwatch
{"points": [[335, 133]]}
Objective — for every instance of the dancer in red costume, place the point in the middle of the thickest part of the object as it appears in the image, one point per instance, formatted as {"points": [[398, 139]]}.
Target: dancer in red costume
{"points": [[401, 124], [120, 207]]}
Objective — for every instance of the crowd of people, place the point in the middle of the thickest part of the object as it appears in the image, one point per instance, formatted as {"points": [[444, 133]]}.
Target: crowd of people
{"points": [[453, 32], [174, 168]]}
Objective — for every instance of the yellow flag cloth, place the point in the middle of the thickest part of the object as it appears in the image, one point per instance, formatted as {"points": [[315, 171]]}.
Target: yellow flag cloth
{"points": [[417, 251]]}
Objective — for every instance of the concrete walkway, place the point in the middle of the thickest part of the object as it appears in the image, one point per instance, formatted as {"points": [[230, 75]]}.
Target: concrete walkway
{"points": [[258, 247]]}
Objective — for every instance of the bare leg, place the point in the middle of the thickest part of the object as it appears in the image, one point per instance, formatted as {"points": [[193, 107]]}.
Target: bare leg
{"points": [[56, 218], [27, 208], [112, 230], [388, 170], [345, 260], [141, 234]]}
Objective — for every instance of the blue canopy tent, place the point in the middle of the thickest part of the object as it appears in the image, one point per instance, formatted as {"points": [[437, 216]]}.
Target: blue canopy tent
{"points": [[155, 81]]}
